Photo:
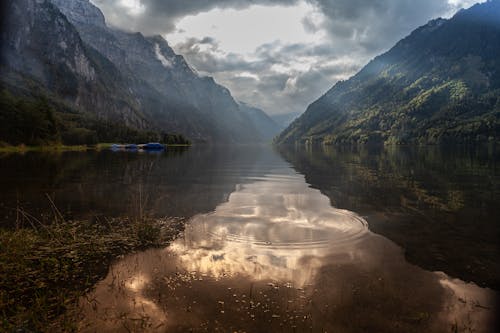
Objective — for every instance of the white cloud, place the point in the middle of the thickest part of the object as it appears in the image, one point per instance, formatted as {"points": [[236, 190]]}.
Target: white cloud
{"points": [[134, 7], [164, 61], [249, 75], [279, 55], [243, 31]]}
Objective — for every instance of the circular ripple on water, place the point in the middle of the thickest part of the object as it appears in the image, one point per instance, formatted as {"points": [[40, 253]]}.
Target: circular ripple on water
{"points": [[334, 227]]}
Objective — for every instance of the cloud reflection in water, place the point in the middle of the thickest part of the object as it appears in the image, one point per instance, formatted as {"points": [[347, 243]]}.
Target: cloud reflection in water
{"points": [[266, 229], [277, 257]]}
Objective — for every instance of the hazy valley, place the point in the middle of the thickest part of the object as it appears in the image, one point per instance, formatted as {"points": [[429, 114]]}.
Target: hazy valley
{"points": [[167, 166]]}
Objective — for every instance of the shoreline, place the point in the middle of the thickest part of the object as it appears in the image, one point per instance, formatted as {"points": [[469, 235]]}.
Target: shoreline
{"points": [[57, 148], [45, 269]]}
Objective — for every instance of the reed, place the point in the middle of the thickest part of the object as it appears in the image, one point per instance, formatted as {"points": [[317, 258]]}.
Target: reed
{"points": [[44, 269]]}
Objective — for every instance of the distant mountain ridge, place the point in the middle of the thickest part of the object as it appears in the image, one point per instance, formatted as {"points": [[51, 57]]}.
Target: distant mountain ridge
{"points": [[441, 84], [285, 119], [265, 125], [65, 49]]}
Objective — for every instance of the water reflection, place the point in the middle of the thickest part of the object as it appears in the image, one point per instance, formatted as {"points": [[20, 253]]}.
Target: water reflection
{"points": [[82, 185], [266, 229], [277, 257], [439, 203]]}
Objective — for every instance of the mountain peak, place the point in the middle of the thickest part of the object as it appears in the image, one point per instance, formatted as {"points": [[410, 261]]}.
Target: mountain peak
{"points": [[168, 90], [436, 22], [485, 13], [81, 12], [441, 84]]}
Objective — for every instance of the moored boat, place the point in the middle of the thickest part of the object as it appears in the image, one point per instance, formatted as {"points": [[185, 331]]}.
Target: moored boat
{"points": [[153, 146]]}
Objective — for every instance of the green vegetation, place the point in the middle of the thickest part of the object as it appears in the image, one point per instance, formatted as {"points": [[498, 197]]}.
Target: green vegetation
{"points": [[41, 121], [440, 85], [6, 148], [26, 121], [44, 269]]}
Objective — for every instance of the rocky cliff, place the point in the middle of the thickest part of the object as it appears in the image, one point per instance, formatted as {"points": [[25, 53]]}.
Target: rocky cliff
{"points": [[168, 90], [41, 51], [63, 51]]}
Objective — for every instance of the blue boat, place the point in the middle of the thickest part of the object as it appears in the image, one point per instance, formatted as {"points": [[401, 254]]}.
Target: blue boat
{"points": [[153, 146], [131, 146], [116, 147]]}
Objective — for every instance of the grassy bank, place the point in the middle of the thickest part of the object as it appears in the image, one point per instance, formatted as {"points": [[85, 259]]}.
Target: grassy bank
{"points": [[45, 269], [4, 148], [46, 148]]}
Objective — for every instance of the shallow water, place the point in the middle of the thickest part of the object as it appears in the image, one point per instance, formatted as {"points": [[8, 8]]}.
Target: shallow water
{"points": [[284, 242]]}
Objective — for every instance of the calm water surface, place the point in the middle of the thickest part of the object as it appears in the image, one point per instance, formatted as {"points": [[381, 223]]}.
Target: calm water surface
{"points": [[322, 240]]}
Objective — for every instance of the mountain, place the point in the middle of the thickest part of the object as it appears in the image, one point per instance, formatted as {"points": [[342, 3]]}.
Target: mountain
{"points": [[441, 84], [94, 81], [285, 119], [169, 91], [265, 125], [42, 53]]}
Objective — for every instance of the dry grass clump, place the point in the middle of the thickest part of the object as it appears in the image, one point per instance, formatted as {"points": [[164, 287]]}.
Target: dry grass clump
{"points": [[44, 269]]}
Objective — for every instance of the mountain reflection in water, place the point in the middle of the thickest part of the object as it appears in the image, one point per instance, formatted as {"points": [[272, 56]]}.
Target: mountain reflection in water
{"points": [[277, 257], [439, 203]]}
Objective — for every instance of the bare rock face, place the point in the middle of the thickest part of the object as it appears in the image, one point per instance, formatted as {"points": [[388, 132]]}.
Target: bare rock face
{"points": [[168, 90], [81, 12], [41, 48], [35, 35], [65, 47]]}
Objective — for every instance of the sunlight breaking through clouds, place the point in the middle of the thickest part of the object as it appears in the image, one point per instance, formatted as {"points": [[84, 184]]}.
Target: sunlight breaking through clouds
{"points": [[279, 55], [134, 7]]}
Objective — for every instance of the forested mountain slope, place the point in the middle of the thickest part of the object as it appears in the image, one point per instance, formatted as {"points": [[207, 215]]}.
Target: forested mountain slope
{"points": [[441, 84], [69, 77]]}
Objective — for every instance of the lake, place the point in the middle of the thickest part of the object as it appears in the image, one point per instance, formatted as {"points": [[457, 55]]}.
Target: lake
{"points": [[326, 239]]}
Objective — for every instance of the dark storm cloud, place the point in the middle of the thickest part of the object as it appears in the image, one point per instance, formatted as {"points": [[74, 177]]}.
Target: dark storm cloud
{"points": [[161, 15], [345, 18], [356, 31], [376, 24]]}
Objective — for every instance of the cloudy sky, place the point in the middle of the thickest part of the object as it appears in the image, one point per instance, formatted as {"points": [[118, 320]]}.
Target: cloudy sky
{"points": [[279, 55]]}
